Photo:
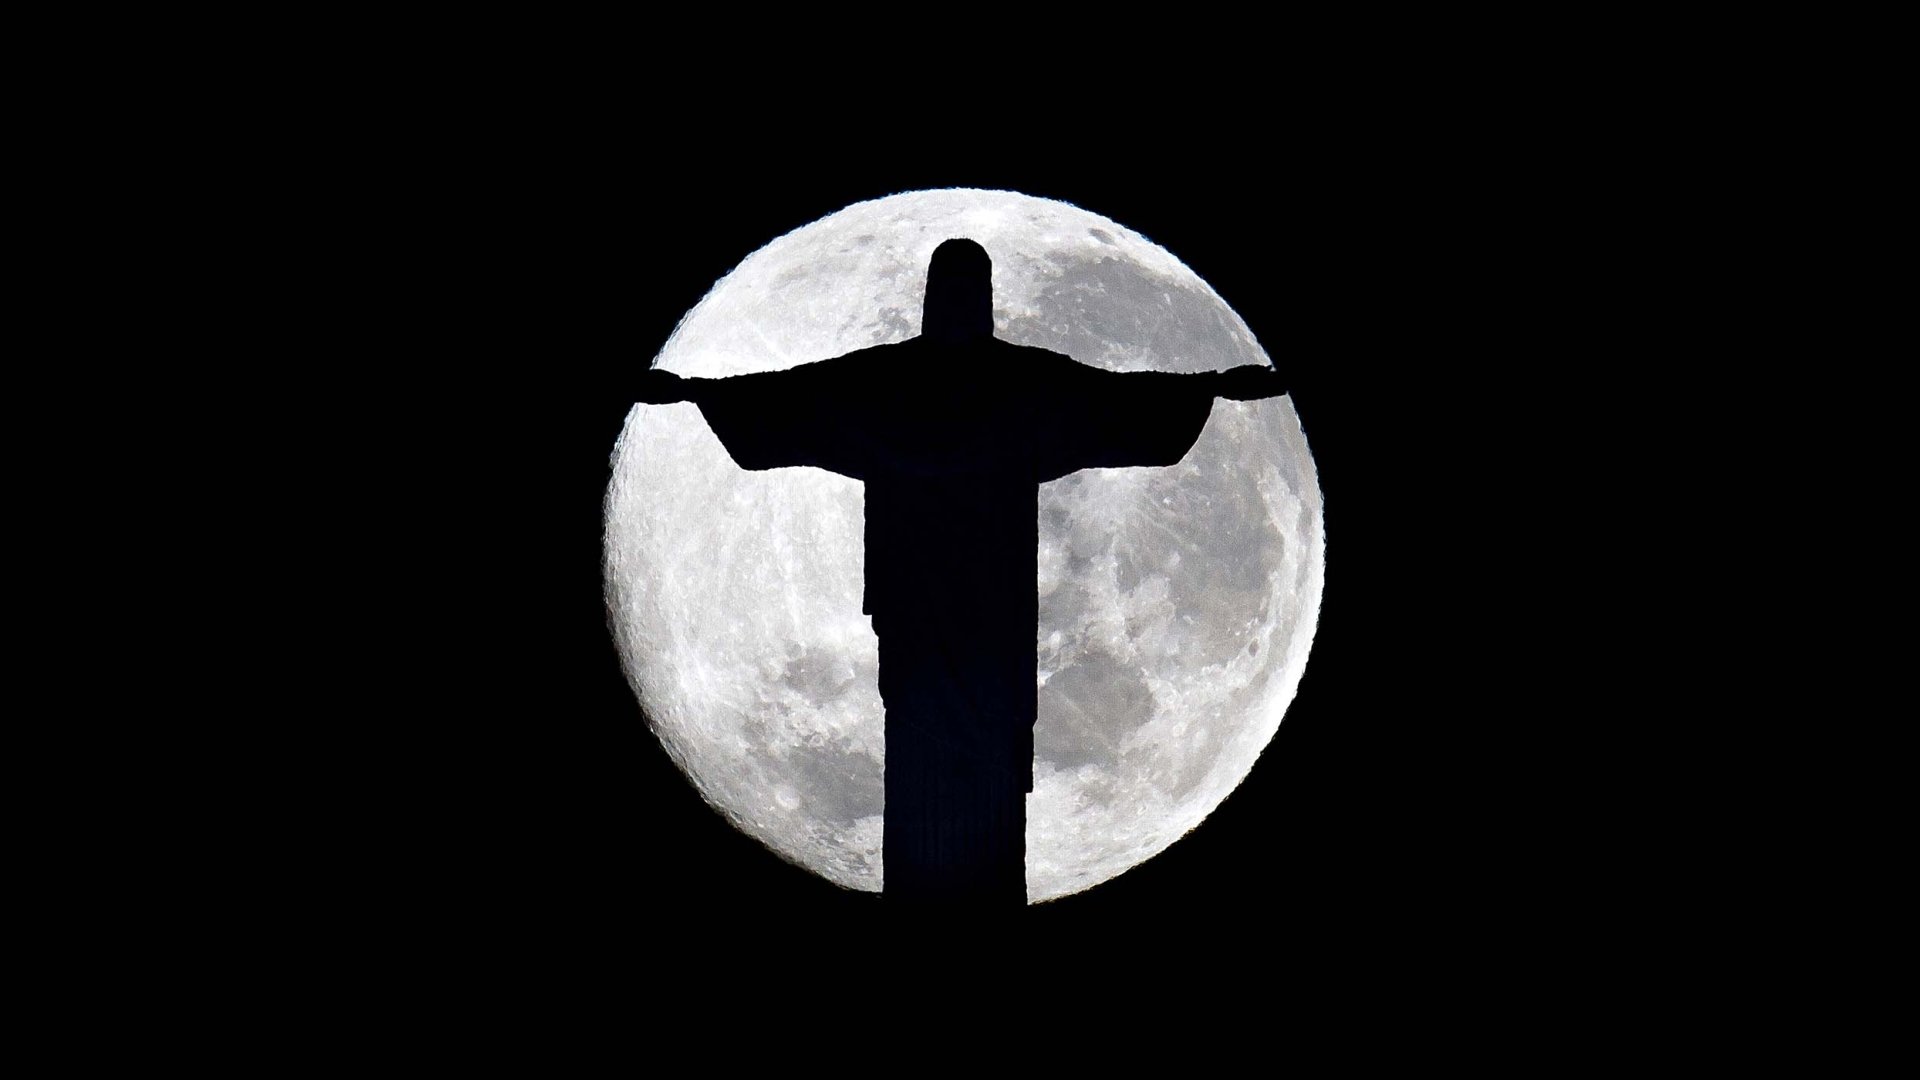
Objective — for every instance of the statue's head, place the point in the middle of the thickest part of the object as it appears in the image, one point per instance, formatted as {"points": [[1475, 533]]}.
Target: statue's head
{"points": [[959, 305]]}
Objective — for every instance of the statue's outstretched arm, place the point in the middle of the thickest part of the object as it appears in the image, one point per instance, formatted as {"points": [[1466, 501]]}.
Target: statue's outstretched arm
{"points": [[768, 420], [659, 387], [1249, 382]]}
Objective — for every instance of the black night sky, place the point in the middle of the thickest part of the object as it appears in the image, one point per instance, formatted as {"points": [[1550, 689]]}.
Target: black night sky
{"points": [[1397, 806]]}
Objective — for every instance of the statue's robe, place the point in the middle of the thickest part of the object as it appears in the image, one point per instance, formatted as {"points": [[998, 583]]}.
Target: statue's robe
{"points": [[951, 442]]}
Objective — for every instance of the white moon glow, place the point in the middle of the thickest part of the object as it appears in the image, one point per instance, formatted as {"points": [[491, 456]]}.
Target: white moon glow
{"points": [[1177, 605]]}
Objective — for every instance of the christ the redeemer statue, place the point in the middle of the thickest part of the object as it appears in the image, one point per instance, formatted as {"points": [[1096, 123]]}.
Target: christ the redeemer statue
{"points": [[952, 432]]}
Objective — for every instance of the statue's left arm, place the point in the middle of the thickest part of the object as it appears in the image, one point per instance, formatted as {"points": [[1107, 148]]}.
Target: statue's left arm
{"points": [[1110, 420], [1249, 382]]}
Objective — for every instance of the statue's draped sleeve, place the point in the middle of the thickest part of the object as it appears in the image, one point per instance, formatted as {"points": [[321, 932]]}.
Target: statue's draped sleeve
{"points": [[1113, 420], [783, 419]]}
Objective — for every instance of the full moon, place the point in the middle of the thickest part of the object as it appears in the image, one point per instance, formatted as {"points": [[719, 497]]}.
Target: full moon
{"points": [[1177, 604]]}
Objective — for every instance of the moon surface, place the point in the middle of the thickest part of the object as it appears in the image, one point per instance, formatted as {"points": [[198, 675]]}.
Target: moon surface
{"points": [[1177, 604]]}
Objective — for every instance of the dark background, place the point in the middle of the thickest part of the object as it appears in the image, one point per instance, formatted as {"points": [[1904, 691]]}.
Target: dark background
{"points": [[418, 294], [1414, 797], [408, 297]]}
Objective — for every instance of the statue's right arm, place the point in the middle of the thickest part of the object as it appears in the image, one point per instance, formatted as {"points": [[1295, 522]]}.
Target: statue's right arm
{"points": [[659, 387], [767, 420]]}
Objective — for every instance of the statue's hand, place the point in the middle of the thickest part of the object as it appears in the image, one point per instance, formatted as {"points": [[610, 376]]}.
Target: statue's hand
{"points": [[661, 387], [1250, 382]]}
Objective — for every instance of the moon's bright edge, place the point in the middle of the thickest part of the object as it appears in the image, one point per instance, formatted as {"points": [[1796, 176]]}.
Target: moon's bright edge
{"points": [[1177, 605]]}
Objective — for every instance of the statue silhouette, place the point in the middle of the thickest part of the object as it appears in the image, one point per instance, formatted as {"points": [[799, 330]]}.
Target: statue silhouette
{"points": [[952, 432]]}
